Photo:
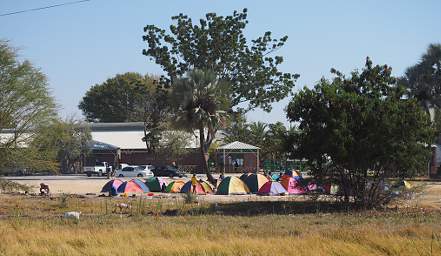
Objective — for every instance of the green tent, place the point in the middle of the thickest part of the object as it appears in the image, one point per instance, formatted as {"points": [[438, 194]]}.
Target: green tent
{"points": [[155, 184], [232, 185], [255, 182]]}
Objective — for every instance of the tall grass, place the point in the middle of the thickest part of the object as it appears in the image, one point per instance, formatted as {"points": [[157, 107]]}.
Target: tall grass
{"points": [[146, 232]]}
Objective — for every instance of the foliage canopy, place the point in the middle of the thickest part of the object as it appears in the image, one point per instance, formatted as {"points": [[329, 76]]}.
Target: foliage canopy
{"points": [[25, 105], [218, 43], [352, 125]]}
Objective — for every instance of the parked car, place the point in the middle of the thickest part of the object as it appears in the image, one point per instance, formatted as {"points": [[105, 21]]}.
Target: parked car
{"points": [[100, 169], [168, 171], [144, 171]]}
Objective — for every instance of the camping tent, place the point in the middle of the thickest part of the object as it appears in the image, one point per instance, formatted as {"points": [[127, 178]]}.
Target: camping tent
{"points": [[188, 188], [133, 186], [255, 182], [296, 175], [232, 185], [272, 188], [292, 185], [207, 187], [245, 175], [175, 186], [155, 184], [111, 186], [275, 177]]}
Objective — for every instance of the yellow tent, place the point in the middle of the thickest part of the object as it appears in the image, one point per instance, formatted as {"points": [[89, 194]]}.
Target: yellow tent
{"points": [[407, 185], [232, 185]]}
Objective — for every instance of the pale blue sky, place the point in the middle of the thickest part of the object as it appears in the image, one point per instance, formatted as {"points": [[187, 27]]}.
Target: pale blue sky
{"points": [[84, 44]]}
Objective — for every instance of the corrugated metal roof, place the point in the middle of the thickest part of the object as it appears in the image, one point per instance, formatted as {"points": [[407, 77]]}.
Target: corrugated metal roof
{"points": [[98, 145], [129, 126], [237, 145]]}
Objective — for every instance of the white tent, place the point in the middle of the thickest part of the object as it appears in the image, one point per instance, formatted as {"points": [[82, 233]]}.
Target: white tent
{"points": [[239, 147]]}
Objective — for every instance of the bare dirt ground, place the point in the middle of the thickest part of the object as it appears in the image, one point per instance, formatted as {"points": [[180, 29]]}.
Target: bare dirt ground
{"points": [[81, 187], [428, 194]]}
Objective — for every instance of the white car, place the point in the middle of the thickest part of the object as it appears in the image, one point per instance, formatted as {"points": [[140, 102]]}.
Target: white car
{"points": [[100, 169], [144, 171]]}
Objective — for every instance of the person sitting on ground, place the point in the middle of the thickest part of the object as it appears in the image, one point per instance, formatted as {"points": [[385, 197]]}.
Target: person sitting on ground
{"points": [[44, 189], [194, 182]]}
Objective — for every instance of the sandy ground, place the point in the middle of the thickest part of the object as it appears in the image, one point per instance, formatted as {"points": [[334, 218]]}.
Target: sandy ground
{"points": [[68, 186], [428, 197]]}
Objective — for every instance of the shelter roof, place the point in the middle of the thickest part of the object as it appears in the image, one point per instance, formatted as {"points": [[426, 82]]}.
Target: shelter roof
{"points": [[237, 145]]}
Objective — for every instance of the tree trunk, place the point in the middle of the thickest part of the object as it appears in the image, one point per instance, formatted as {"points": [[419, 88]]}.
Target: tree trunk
{"points": [[204, 154]]}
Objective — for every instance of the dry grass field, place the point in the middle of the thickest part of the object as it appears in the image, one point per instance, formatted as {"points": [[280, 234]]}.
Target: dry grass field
{"points": [[33, 226]]}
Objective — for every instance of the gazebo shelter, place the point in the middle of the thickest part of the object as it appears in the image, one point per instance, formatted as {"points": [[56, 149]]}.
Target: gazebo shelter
{"points": [[238, 147], [103, 152]]}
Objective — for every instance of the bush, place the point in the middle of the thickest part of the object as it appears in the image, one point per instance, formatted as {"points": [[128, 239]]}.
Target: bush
{"points": [[190, 198], [7, 186], [63, 200]]}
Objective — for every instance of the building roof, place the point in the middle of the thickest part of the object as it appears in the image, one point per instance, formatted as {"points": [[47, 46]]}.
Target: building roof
{"points": [[237, 145], [129, 126], [98, 145]]}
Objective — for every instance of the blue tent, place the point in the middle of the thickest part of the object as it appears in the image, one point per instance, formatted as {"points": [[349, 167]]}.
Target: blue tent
{"points": [[111, 186]]}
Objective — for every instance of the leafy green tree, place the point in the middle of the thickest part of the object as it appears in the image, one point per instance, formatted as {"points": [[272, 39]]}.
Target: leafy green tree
{"points": [[237, 129], [25, 104], [275, 148], [156, 115], [362, 124], [118, 99], [174, 143], [64, 142], [130, 97], [424, 78], [257, 133], [218, 43], [200, 102]]}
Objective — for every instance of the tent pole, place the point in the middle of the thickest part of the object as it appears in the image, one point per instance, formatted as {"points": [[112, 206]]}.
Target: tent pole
{"points": [[224, 163], [257, 163]]}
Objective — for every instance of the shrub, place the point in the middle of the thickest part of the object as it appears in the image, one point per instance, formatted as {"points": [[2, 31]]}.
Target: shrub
{"points": [[12, 186]]}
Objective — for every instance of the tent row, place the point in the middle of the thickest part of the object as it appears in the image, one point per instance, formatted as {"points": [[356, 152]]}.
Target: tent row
{"points": [[154, 184], [289, 183]]}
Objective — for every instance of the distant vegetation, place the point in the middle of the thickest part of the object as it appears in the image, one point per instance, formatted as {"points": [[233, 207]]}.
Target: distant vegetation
{"points": [[33, 136]]}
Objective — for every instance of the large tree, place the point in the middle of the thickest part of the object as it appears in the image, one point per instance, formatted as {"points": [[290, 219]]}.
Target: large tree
{"points": [[156, 115], [25, 104], [118, 99], [130, 97], [218, 43], [200, 103], [353, 126], [424, 78]]}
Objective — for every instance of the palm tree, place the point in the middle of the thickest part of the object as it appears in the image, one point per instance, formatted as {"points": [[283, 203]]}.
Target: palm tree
{"points": [[258, 132], [200, 102], [424, 79]]}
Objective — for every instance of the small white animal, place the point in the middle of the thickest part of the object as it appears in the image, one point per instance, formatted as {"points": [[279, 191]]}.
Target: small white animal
{"points": [[72, 215], [123, 206]]}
